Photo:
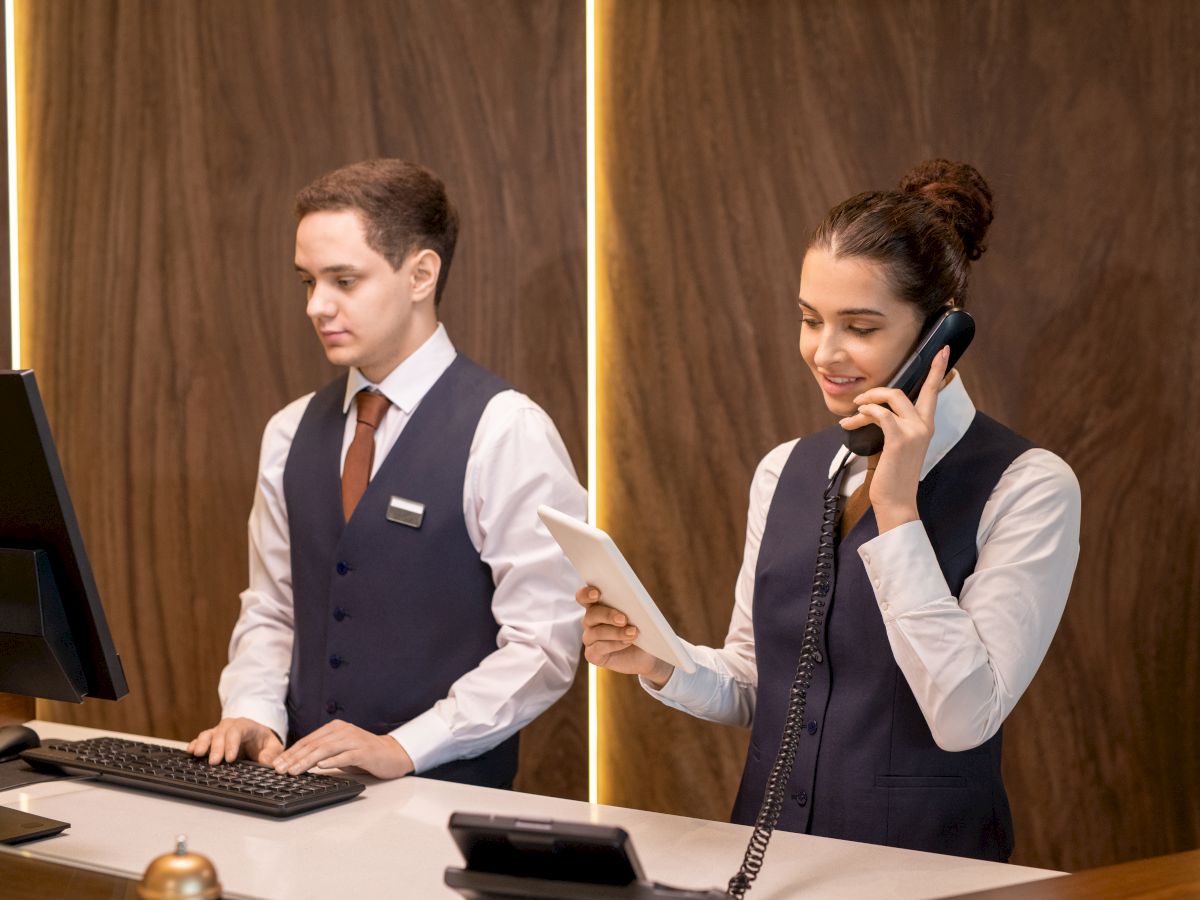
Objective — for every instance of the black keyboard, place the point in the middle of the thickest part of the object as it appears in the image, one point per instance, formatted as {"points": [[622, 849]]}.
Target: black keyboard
{"points": [[242, 784]]}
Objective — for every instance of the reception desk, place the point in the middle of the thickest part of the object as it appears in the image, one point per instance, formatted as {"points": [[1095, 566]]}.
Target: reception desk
{"points": [[392, 842]]}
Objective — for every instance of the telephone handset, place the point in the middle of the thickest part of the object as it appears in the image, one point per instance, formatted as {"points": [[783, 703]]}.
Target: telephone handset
{"points": [[955, 328]]}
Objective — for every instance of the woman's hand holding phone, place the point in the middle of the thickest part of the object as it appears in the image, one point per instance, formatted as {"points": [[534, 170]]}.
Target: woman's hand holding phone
{"points": [[608, 641], [907, 430]]}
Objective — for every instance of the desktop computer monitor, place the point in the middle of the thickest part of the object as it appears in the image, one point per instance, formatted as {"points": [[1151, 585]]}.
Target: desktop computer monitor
{"points": [[54, 639]]}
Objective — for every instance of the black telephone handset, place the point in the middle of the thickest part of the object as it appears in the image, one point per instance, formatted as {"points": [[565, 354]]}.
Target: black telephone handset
{"points": [[955, 328]]}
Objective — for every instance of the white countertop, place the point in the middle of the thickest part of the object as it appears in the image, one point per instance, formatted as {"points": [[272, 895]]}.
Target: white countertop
{"points": [[392, 841]]}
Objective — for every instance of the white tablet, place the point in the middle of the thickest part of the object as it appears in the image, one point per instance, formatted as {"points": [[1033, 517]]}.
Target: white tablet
{"points": [[599, 562]]}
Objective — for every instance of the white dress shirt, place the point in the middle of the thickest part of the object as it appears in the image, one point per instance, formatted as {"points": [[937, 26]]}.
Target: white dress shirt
{"points": [[517, 461], [968, 658]]}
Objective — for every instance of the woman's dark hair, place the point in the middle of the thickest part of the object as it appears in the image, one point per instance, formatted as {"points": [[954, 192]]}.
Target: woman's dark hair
{"points": [[924, 235]]}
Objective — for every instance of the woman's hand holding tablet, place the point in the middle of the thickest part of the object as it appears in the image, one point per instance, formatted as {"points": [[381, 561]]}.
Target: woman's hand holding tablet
{"points": [[623, 629], [608, 641]]}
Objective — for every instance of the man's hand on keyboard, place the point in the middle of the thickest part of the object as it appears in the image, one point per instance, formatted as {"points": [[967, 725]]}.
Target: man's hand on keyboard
{"points": [[340, 744], [230, 738]]}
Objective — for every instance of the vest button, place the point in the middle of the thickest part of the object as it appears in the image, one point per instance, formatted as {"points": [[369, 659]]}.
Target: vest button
{"points": [[335, 661], [801, 797], [339, 614], [812, 727], [342, 568], [332, 707]]}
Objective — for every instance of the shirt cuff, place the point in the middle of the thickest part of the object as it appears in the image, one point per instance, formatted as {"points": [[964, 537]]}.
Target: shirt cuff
{"points": [[261, 711], [684, 691], [903, 570], [427, 740]]}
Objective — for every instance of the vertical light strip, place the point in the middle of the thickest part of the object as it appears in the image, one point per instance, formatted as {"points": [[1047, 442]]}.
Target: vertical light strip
{"points": [[14, 258], [593, 480]]}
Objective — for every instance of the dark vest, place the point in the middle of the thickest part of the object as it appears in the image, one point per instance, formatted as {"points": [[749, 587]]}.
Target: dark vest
{"points": [[388, 616], [868, 768]]}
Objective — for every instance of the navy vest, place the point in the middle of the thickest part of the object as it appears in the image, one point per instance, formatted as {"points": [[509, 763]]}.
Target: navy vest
{"points": [[868, 768], [388, 616]]}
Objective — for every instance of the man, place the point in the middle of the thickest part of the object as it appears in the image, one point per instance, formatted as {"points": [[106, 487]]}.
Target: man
{"points": [[407, 611]]}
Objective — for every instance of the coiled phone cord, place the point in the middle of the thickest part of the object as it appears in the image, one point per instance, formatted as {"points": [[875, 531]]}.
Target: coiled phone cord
{"points": [[785, 759]]}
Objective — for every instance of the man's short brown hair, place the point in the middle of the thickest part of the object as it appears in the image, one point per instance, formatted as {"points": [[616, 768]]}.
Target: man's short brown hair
{"points": [[404, 209]]}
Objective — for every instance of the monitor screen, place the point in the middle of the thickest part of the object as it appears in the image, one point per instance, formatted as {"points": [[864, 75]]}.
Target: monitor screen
{"points": [[54, 640]]}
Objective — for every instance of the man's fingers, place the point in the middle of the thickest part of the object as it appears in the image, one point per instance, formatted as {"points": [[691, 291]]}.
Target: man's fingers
{"points": [[199, 744], [220, 741], [233, 743], [342, 760], [310, 749], [315, 754], [216, 747]]}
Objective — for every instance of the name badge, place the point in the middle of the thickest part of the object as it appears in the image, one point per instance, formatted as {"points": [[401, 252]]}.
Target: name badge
{"points": [[405, 512]]}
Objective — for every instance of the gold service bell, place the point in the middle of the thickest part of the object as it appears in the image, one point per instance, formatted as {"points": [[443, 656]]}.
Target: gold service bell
{"points": [[180, 875]]}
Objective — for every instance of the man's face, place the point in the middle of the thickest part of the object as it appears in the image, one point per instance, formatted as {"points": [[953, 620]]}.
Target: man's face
{"points": [[366, 314]]}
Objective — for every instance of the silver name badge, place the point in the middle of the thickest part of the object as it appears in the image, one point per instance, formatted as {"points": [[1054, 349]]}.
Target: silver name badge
{"points": [[406, 512]]}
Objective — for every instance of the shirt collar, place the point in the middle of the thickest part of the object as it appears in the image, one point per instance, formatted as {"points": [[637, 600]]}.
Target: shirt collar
{"points": [[954, 415], [408, 383]]}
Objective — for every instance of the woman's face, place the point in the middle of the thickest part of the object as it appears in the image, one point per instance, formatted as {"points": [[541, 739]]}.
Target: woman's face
{"points": [[854, 332]]}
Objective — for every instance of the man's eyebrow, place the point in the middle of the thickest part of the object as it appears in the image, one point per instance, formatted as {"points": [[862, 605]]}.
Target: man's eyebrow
{"points": [[330, 270], [849, 311]]}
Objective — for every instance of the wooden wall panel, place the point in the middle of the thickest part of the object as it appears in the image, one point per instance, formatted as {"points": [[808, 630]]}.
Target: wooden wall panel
{"points": [[733, 127], [15, 709], [163, 144]]}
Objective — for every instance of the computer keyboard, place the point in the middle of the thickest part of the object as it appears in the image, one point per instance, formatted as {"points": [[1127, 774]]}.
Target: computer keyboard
{"points": [[242, 784]]}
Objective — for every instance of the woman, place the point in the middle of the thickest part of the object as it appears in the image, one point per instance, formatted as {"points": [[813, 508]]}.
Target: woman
{"points": [[952, 558]]}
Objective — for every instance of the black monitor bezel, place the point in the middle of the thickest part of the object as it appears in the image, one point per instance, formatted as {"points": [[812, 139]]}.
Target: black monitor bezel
{"points": [[36, 513]]}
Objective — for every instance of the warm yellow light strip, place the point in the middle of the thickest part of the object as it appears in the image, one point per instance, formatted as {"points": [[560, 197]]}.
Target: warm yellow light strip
{"points": [[593, 480], [14, 259]]}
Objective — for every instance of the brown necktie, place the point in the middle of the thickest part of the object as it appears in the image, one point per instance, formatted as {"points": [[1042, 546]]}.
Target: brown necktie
{"points": [[357, 469], [860, 500]]}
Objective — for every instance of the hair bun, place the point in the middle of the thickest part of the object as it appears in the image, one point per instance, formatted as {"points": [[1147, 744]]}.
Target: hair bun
{"points": [[960, 193]]}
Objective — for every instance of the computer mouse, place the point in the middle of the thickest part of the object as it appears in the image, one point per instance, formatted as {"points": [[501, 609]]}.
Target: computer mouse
{"points": [[14, 739]]}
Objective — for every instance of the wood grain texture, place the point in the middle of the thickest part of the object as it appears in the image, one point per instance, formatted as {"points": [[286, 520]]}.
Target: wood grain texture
{"points": [[735, 127], [1173, 877], [15, 709], [34, 879], [163, 145]]}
